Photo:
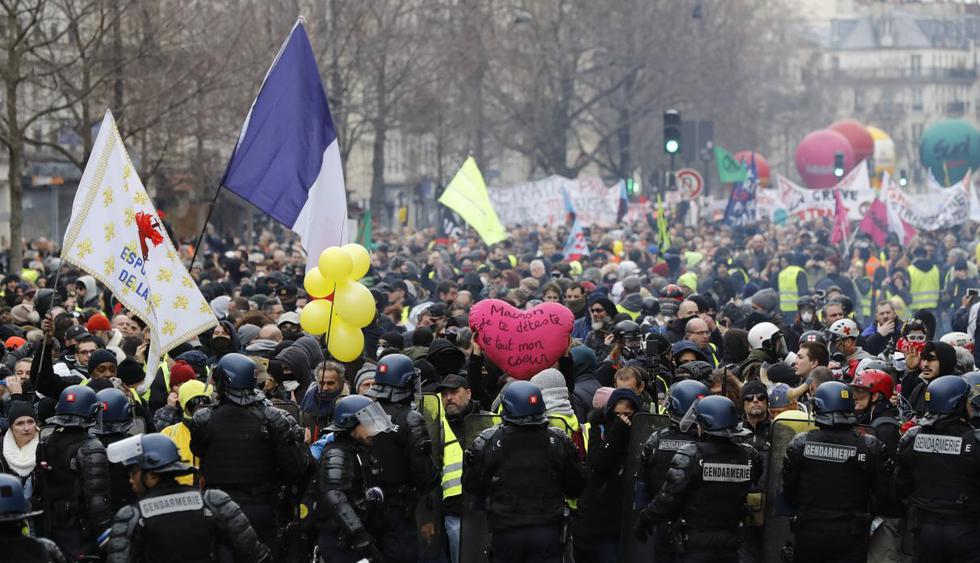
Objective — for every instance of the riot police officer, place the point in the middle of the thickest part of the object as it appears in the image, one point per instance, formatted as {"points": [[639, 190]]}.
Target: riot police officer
{"points": [[973, 380], [249, 449], [115, 424], [344, 502], [14, 513], [702, 499], [659, 450], [405, 469], [524, 470], [831, 477], [939, 473], [72, 484], [173, 522]]}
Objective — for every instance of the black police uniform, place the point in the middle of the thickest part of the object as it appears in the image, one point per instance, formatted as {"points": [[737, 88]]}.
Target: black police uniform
{"points": [[72, 486], [120, 490], [250, 452], [703, 497], [342, 512], [832, 476], [884, 420], [405, 471], [25, 549], [939, 472], [655, 458], [524, 473], [176, 523]]}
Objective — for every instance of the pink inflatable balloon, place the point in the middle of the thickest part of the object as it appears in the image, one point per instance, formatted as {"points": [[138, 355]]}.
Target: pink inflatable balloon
{"points": [[521, 343], [815, 157], [858, 136]]}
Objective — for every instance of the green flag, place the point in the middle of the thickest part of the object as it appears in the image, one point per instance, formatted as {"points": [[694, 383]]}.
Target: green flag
{"points": [[364, 237], [730, 170], [467, 195]]}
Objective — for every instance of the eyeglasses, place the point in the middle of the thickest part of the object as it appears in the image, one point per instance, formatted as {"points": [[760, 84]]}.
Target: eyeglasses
{"points": [[597, 310], [758, 397], [915, 337], [928, 358]]}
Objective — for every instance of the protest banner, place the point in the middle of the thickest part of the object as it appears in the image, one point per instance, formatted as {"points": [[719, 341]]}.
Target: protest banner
{"points": [[543, 202], [522, 343]]}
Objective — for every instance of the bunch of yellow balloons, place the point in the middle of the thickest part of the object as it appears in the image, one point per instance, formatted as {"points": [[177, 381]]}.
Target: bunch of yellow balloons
{"points": [[340, 305]]}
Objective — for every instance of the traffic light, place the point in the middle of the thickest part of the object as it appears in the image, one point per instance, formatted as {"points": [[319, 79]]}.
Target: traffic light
{"points": [[672, 131], [838, 164], [903, 178], [630, 187]]}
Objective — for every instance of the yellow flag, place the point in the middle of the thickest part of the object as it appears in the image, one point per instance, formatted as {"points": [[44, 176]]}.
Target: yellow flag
{"points": [[467, 196]]}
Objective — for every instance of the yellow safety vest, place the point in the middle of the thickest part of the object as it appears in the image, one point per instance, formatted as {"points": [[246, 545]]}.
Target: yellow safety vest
{"points": [[789, 291], [452, 462], [632, 314], [866, 299], [924, 287], [181, 435], [567, 423]]}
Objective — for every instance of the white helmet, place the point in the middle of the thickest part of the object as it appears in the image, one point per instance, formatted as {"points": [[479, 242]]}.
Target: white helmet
{"points": [[959, 339], [760, 334], [843, 328]]}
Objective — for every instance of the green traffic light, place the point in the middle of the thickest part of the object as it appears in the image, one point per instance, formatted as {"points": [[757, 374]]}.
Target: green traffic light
{"points": [[672, 146]]}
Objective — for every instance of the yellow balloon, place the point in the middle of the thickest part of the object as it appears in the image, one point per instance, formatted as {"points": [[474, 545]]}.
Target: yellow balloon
{"points": [[335, 264], [315, 317], [316, 285], [345, 341], [360, 258], [354, 303]]}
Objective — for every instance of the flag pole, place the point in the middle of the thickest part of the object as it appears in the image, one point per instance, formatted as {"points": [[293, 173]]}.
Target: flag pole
{"points": [[204, 228]]}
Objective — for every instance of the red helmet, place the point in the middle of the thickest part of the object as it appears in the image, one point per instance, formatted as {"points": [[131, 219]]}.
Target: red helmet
{"points": [[875, 381], [672, 291]]}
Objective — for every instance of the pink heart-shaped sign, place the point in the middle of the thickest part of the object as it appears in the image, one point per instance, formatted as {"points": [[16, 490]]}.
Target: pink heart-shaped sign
{"points": [[522, 343]]}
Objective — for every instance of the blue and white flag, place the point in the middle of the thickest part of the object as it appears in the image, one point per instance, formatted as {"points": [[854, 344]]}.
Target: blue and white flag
{"points": [[287, 161], [741, 205]]}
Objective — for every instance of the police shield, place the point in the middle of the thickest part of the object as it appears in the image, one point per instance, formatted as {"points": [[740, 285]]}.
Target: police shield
{"points": [[777, 537], [474, 535], [635, 496], [428, 513]]}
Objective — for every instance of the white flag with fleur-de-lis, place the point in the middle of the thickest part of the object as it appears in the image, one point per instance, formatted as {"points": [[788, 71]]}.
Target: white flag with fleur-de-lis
{"points": [[116, 236]]}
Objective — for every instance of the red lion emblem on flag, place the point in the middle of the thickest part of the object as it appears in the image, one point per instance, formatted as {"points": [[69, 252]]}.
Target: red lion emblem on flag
{"points": [[148, 227]]}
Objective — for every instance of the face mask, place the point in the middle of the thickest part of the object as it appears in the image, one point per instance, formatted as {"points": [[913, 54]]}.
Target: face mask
{"points": [[291, 335], [806, 316], [330, 395], [485, 280], [575, 305], [290, 385], [221, 344]]}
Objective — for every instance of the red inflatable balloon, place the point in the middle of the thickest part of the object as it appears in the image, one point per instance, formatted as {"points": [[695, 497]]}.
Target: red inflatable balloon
{"points": [[815, 157], [858, 135], [761, 165]]}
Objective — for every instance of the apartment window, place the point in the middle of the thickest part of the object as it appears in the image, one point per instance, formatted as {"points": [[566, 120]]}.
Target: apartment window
{"points": [[916, 65], [835, 64], [859, 100], [917, 99], [917, 130]]}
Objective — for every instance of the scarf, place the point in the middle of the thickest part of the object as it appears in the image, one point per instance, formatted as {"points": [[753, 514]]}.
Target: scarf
{"points": [[21, 460], [325, 406]]}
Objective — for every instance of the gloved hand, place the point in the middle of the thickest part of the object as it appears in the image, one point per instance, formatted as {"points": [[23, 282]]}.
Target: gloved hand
{"points": [[362, 545], [644, 526]]}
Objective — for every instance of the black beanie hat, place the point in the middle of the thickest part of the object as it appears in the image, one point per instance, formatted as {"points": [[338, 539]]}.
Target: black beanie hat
{"points": [[131, 372], [101, 357], [18, 409]]}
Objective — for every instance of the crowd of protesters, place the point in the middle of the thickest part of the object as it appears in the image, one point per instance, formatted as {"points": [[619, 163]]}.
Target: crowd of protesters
{"points": [[763, 316]]}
